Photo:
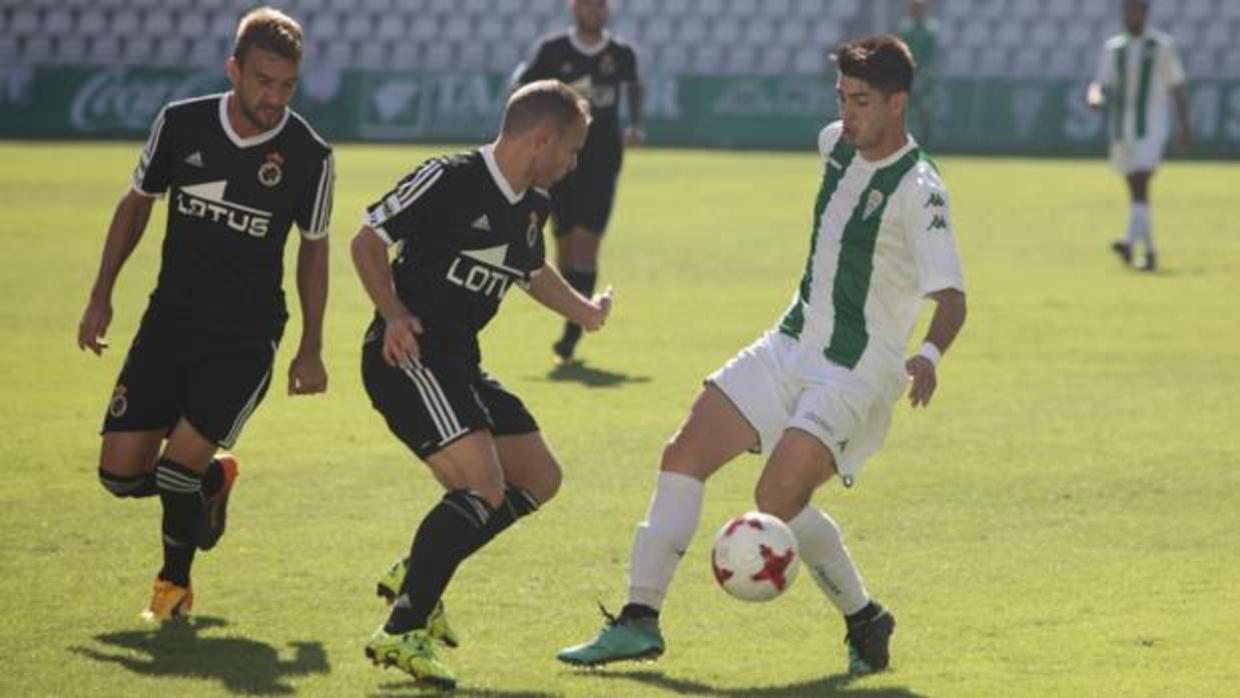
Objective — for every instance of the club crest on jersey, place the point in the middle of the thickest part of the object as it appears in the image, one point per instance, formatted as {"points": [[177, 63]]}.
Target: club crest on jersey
{"points": [[566, 67], [872, 203], [607, 64], [270, 173], [531, 233], [119, 404]]}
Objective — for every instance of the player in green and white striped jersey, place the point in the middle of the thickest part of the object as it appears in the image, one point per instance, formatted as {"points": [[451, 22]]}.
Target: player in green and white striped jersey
{"points": [[1137, 74], [816, 392]]}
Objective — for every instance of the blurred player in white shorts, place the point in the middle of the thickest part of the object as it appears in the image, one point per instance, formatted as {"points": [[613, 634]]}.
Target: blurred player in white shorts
{"points": [[1138, 73]]}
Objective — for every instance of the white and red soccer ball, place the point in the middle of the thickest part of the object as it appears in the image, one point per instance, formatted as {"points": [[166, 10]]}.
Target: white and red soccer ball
{"points": [[755, 557]]}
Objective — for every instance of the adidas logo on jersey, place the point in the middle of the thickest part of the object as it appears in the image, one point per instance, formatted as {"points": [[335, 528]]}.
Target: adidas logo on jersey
{"points": [[483, 223], [195, 159]]}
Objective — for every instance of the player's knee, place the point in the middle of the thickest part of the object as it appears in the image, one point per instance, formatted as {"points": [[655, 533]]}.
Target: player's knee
{"points": [[680, 457], [475, 506], [123, 486], [549, 483], [781, 499]]}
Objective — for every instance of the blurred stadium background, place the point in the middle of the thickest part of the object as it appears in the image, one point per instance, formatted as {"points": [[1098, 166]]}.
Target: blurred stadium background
{"points": [[720, 73]]}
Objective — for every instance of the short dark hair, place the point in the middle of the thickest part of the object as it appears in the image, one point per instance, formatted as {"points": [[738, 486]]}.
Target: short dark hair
{"points": [[271, 30], [883, 60], [541, 100]]}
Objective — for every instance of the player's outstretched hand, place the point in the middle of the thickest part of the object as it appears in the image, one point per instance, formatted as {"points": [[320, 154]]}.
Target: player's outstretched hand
{"points": [[921, 372], [602, 303], [94, 325], [400, 340], [306, 374]]}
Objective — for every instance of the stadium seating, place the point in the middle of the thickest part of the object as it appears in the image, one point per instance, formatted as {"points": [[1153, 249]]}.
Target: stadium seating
{"points": [[979, 38]]}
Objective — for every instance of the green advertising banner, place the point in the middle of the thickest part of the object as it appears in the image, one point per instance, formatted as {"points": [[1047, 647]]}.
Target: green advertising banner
{"points": [[1002, 116]]}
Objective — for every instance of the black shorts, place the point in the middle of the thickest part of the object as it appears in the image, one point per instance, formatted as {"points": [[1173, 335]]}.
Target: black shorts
{"points": [[213, 380], [584, 198], [434, 403]]}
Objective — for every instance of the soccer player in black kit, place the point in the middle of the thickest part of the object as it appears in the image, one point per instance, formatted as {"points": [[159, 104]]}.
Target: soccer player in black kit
{"points": [[469, 228], [596, 64], [240, 169]]}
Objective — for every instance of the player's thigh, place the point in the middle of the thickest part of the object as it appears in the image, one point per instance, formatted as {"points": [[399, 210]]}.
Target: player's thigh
{"points": [[799, 463], [225, 382], [470, 463], [430, 406], [145, 402], [130, 453], [748, 402], [579, 248], [524, 455], [714, 433]]}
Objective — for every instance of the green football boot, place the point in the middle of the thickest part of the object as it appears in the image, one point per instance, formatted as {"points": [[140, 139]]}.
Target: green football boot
{"points": [[413, 653], [437, 624], [620, 639]]}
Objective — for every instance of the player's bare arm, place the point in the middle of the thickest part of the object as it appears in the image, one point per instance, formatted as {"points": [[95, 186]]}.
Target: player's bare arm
{"points": [[128, 224], [635, 133], [370, 258], [1184, 134], [307, 373], [949, 315], [551, 290]]}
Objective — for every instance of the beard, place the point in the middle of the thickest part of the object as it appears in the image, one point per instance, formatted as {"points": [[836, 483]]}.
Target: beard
{"points": [[265, 119]]}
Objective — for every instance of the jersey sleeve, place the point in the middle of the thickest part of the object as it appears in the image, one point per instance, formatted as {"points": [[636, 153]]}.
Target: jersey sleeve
{"points": [[153, 175], [535, 67], [1105, 74], [927, 214], [628, 67], [1173, 69], [415, 207], [828, 137], [538, 256], [314, 211]]}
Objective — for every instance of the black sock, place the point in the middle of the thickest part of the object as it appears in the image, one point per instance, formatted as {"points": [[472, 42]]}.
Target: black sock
{"points": [[135, 486], [451, 531], [180, 491], [583, 280], [517, 503], [212, 479], [865, 615], [637, 611]]}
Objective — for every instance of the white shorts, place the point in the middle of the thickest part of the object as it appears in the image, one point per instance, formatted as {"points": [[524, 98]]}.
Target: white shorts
{"points": [[1137, 156], [778, 384]]}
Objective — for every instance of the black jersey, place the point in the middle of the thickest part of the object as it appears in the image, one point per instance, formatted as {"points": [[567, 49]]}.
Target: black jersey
{"points": [[232, 201], [597, 73], [465, 237]]}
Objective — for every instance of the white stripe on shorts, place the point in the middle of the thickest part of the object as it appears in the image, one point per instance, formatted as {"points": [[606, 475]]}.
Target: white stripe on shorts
{"points": [[446, 423]]}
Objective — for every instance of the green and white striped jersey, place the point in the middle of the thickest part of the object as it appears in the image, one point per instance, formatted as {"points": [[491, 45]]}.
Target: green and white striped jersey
{"points": [[881, 241], [1137, 74]]}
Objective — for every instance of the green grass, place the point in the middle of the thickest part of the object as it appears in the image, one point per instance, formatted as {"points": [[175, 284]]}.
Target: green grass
{"points": [[1063, 521]]}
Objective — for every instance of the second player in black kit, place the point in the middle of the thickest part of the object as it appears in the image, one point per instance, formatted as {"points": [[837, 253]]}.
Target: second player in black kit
{"points": [[598, 65], [469, 228], [465, 239]]}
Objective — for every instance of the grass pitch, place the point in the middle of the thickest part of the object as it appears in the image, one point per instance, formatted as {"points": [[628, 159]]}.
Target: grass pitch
{"points": [[1063, 521]]}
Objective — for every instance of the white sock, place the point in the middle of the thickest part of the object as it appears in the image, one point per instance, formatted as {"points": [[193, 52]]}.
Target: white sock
{"points": [[662, 538], [1139, 226], [823, 552]]}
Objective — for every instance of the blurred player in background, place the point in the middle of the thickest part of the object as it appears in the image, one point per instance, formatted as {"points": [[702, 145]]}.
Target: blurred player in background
{"points": [[920, 32], [597, 65], [1138, 73], [240, 168]]}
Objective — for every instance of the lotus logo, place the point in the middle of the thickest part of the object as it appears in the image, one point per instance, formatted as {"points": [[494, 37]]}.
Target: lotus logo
{"points": [[120, 99]]}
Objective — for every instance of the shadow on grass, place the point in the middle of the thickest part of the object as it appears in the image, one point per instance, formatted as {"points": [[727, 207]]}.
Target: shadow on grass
{"points": [[411, 689], [576, 371], [835, 685], [178, 649]]}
